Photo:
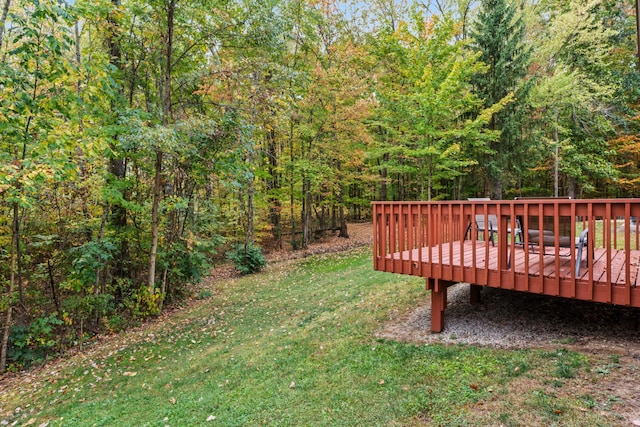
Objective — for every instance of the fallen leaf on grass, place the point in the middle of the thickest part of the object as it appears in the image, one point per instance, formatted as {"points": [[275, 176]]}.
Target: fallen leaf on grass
{"points": [[173, 400], [130, 374], [211, 417]]}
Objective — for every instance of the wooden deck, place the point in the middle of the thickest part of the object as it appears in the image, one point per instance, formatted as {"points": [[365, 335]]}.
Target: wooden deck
{"points": [[438, 241]]}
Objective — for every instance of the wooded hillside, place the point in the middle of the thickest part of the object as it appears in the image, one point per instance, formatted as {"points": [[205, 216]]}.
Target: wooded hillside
{"points": [[141, 139]]}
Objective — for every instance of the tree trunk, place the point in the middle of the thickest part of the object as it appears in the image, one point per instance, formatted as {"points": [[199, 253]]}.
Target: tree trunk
{"points": [[52, 285], [19, 262], [292, 216], [429, 183], [322, 217], [573, 185], [334, 217], [76, 34], [166, 98], [273, 185], [12, 283], [250, 231], [343, 220], [556, 190], [155, 220], [166, 118], [117, 166], [306, 211], [96, 286], [496, 188], [163, 288], [637, 30], [3, 20], [383, 177]]}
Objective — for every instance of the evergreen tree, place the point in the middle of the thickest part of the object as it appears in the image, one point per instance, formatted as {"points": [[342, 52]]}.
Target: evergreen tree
{"points": [[498, 34]]}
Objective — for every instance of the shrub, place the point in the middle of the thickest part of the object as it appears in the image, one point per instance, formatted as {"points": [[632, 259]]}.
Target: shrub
{"points": [[247, 259], [204, 294], [31, 344]]}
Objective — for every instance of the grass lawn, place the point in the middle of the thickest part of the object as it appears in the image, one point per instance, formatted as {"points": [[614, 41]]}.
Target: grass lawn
{"points": [[296, 346]]}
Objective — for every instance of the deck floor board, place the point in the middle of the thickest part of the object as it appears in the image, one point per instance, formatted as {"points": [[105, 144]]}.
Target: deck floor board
{"points": [[462, 255]]}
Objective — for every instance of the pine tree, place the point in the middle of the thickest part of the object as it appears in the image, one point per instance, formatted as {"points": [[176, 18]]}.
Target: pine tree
{"points": [[498, 34]]}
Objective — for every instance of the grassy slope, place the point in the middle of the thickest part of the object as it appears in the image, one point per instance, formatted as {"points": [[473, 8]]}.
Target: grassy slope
{"points": [[296, 346]]}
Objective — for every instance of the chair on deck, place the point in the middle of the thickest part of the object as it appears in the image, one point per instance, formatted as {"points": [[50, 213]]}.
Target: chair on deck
{"points": [[548, 237], [489, 223], [483, 222]]}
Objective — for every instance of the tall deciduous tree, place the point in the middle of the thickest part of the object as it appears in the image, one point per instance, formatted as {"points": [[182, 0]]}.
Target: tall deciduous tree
{"points": [[573, 95], [117, 159], [426, 135]]}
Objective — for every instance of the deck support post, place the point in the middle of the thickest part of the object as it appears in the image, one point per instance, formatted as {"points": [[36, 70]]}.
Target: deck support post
{"points": [[474, 292], [438, 303]]}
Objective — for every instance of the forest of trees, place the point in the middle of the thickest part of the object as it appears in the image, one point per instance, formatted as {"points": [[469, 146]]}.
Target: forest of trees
{"points": [[140, 140]]}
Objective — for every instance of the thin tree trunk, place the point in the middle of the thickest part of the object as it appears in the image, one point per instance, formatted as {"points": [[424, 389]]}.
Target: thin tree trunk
{"points": [[166, 99], [292, 199], [12, 282], [293, 120], [117, 166], [306, 211], [334, 217], [166, 117], [429, 183], [273, 185], [250, 231], [496, 189], [572, 187], [163, 289], [343, 222], [3, 19], [155, 220], [96, 286], [52, 284], [556, 191], [637, 30], [16, 226], [19, 263], [76, 33], [383, 176]]}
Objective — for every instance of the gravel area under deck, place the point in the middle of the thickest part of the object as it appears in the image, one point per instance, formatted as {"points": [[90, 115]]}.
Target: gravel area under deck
{"points": [[522, 320]]}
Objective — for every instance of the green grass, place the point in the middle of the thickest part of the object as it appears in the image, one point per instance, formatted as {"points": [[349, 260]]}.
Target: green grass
{"points": [[616, 235], [296, 346]]}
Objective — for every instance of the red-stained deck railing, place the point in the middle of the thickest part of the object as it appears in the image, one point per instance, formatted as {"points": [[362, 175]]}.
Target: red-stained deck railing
{"points": [[440, 241]]}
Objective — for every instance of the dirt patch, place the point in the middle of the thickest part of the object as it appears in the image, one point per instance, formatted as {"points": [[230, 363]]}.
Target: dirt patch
{"points": [[360, 234]]}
